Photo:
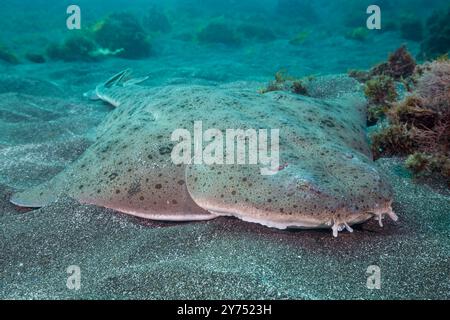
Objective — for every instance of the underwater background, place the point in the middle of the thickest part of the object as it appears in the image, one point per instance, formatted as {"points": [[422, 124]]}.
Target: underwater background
{"points": [[46, 123]]}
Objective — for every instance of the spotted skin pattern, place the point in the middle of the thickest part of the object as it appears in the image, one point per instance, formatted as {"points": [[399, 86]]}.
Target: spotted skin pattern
{"points": [[326, 178]]}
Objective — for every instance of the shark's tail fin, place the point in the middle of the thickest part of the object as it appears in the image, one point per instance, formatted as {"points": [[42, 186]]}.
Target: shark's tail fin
{"points": [[121, 79], [118, 79]]}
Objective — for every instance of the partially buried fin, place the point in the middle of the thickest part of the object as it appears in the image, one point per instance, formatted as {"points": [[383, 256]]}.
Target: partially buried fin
{"points": [[121, 79]]}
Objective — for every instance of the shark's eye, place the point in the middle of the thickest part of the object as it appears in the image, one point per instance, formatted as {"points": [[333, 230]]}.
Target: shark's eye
{"points": [[306, 185], [348, 155], [283, 166]]}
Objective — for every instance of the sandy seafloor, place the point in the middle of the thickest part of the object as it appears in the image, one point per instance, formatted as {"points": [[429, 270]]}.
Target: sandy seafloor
{"points": [[46, 124]]}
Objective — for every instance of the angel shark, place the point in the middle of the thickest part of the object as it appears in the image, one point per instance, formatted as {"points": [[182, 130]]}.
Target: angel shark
{"points": [[327, 178]]}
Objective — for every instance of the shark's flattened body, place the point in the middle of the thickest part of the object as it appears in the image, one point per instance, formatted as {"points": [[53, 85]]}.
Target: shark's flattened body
{"points": [[327, 180]]}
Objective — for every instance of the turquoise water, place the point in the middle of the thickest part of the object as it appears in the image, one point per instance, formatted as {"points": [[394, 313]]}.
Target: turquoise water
{"points": [[210, 61], [254, 40]]}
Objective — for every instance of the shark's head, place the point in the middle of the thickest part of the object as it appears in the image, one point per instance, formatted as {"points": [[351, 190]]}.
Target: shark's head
{"points": [[326, 188]]}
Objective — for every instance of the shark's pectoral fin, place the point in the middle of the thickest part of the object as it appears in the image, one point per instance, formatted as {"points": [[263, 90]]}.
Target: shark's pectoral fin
{"points": [[41, 195], [155, 193]]}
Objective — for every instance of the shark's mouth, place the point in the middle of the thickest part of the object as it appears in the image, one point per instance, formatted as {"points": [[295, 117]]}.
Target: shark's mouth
{"points": [[338, 222]]}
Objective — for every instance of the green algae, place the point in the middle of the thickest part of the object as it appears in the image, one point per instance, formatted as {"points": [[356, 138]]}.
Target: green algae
{"points": [[7, 56]]}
